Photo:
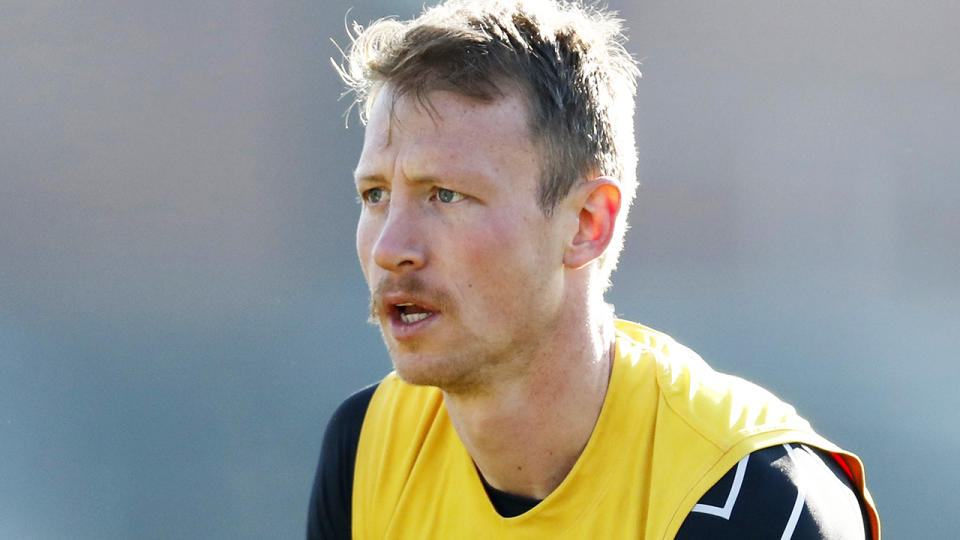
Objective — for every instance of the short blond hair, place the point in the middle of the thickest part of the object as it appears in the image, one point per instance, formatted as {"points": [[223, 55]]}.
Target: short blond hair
{"points": [[568, 60]]}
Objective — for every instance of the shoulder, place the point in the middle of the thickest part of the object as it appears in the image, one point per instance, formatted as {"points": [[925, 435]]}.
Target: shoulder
{"points": [[350, 413], [398, 413], [785, 491], [329, 512], [722, 409], [343, 429]]}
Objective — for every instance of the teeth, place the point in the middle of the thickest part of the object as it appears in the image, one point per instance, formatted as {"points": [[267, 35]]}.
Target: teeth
{"points": [[413, 317], [408, 304]]}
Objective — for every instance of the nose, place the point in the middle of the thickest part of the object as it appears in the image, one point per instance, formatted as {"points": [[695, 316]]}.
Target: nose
{"points": [[400, 247]]}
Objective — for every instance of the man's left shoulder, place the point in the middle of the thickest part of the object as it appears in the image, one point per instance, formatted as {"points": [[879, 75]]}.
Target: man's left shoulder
{"points": [[785, 491], [722, 408]]}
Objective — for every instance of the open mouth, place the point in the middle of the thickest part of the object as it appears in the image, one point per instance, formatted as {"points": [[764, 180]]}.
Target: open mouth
{"points": [[410, 313]]}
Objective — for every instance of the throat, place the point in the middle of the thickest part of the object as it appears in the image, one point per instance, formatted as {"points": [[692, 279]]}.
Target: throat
{"points": [[526, 435]]}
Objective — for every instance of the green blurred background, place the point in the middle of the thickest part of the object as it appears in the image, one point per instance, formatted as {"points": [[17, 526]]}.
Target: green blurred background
{"points": [[180, 306]]}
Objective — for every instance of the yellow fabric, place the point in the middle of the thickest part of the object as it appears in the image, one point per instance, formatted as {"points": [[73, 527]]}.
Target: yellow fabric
{"points": [[669, 429]]}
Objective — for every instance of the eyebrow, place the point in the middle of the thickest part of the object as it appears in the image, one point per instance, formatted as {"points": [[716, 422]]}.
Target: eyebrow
{"points": [[370, 178], [379, 179]]}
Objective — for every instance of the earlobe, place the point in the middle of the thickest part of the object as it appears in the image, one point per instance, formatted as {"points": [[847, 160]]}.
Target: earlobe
{"points": [[598, 203]]}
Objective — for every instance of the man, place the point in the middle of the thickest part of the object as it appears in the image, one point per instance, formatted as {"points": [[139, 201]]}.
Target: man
{"points": [[495, 177]]}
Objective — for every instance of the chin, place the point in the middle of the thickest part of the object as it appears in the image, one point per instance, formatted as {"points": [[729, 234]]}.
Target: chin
{"points": [[417, 371], [424, 370]]}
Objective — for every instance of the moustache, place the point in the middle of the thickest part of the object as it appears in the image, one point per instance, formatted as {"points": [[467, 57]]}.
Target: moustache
{"points": [[409, 284]]}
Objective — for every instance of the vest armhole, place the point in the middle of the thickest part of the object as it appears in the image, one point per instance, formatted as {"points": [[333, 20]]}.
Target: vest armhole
{"points": [[329, 515]]}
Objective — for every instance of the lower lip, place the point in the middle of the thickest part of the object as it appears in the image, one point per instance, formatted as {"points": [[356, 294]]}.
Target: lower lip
{"points": [[404, 331]]}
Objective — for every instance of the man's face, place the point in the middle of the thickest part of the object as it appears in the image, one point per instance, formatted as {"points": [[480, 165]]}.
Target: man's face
{"points": [[465, 271]]}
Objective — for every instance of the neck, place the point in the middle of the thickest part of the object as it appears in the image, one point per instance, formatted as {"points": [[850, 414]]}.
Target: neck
{"points": [[526, 432]]}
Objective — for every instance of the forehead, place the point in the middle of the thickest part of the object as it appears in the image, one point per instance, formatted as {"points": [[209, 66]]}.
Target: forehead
{"points": [[447, 129]]}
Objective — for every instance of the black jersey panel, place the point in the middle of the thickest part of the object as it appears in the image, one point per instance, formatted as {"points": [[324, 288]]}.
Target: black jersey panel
{"points": [[788, 491], [330, 502]]}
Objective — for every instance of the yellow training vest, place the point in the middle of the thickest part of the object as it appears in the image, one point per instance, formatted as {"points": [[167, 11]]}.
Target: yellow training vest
{"points": [[670, 428]]}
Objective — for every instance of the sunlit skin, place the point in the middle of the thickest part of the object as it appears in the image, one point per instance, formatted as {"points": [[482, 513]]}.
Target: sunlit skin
{"points": [[476, 290]]}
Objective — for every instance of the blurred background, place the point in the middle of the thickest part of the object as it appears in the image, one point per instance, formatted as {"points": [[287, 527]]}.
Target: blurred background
{"points": [[180, 303]]}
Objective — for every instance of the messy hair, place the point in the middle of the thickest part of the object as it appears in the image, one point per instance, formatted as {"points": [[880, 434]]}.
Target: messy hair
{"points": [[567, 59]]}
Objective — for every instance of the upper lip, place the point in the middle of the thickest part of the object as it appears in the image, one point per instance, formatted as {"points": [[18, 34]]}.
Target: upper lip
{"points": [[390, 301]]}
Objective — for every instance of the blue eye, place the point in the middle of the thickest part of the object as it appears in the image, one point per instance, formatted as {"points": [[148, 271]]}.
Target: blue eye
{"points": [[448, 195], [374, 195]]}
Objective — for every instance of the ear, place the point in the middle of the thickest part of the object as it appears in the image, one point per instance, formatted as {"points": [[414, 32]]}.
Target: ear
{"points": [[597, 203]]}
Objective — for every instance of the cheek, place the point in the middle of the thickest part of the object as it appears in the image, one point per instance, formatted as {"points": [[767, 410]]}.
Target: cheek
{"points": [[500, 256], [366, 238], [490, 246]]}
